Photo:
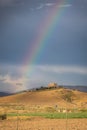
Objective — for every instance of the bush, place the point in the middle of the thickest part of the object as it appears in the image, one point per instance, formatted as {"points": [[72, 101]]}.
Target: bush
{"points": [[68, 96], [50, 109], [3, 117], [83, 110]]}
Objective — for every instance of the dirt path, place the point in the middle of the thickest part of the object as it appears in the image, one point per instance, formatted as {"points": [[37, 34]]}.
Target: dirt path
{"points": [[44, 124]]}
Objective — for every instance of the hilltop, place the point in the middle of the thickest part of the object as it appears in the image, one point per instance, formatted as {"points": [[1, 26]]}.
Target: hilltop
{"points": [[55, 96]]}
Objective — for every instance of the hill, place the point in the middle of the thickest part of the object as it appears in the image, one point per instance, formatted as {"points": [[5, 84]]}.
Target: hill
{"points": [[79, 88], [57, 96]]}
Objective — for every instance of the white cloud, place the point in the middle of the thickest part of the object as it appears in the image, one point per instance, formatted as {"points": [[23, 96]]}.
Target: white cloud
{"points": [[64, 69], [49, 4], [65, 5], [17, 84], [19, 78], [44, 5], [61, 5]]}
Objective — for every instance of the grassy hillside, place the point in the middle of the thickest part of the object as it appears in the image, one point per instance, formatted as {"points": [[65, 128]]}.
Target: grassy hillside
{"points": [[57, 96]]}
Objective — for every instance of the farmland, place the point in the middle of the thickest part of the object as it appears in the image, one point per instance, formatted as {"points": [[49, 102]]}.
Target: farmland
{"points": [[38, 123], [44, 110]]}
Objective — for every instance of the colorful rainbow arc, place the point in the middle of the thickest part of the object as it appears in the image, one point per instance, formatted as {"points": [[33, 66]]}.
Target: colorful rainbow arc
{"points": [[44, 32]]}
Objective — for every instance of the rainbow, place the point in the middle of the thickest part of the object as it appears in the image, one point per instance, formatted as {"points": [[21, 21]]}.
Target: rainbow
{"points": [[44, 32]]}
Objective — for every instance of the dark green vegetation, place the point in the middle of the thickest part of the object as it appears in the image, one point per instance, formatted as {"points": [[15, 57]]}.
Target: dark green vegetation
{"points": [[3, 117], [67, 95]]}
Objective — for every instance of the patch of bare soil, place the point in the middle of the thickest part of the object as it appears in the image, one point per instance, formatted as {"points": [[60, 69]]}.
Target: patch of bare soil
{"points": [[44, 124]]}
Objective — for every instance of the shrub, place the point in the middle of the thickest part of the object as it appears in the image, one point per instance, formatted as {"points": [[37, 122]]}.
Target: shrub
{"points": [[50, 109], [83, 110], [68, 96], [3, 117]]}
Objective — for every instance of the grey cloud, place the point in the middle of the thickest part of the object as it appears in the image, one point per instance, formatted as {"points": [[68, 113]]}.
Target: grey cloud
{"points": [[43, 74], [14, 79], [6, 2], [19, 84], [3, 70], [81, 3], [7, 87], [11, 76], [17, 2], [2, 80], [65, 69], [11, 2], [12, 70]]}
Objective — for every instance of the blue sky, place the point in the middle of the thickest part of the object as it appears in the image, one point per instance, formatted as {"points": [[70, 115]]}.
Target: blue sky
{"points": [[63, 58]]}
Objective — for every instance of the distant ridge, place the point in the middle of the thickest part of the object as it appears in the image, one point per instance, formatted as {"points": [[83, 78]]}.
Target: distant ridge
{"points": [[2, 94], [79, 88]]}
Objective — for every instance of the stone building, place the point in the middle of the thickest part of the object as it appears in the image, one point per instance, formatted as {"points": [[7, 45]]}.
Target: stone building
{"points": [[52, 85]]}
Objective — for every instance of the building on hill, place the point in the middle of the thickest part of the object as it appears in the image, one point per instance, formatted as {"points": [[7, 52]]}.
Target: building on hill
{"points": [[52, 85]]}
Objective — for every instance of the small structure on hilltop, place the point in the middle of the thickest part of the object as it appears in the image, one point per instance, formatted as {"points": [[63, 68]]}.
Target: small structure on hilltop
{"points": [[52, 85]]}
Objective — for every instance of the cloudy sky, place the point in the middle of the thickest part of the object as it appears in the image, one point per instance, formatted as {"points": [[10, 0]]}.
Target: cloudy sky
{"points": [[61, 59]]}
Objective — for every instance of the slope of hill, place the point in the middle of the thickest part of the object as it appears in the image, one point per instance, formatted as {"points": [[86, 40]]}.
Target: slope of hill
{"points": [[48, 97]]}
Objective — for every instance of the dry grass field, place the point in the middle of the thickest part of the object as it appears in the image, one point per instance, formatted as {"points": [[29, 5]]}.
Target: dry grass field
{"points": [[38, 123], [44, 101], [49, 97]]}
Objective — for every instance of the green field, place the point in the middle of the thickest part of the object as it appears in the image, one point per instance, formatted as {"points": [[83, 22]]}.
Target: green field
{"points": [[53, 115]]}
